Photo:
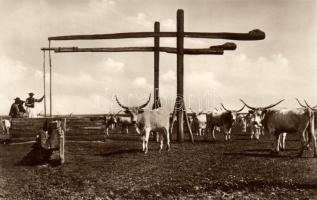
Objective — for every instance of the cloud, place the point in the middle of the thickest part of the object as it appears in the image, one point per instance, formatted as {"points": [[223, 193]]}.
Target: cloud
{"points": [[169, 76], [140, 19], [141, 82], [111, 66], [168, 25]]}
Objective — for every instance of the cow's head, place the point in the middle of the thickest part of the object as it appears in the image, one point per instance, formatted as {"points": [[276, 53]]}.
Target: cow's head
{"points": [[196, 114], [133, 111], [258, 113], [233, 113]]}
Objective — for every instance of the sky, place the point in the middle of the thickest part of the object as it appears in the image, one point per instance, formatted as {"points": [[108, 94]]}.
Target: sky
{"points": [[260, 72]]}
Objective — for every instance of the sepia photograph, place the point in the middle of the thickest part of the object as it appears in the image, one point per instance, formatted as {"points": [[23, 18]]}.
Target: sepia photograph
{"points": [[158, 99]]}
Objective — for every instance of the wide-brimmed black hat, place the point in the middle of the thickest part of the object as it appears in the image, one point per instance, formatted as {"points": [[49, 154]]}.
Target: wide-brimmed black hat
{"points": [[17, 99]]}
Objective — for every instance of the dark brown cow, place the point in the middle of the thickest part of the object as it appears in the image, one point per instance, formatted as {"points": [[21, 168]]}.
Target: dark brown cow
{"points": [[281, 121], [223, 119]]}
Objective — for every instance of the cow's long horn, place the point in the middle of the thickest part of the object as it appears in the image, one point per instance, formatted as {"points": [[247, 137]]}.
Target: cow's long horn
{"points": [[225, 108], [272, 105], [122, 106], [309, 105], [300, 103], [252, 108], [240, 109], [148, 101]]}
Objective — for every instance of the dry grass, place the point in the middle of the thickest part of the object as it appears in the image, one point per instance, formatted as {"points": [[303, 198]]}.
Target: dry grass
{"points": [[116, 169]]}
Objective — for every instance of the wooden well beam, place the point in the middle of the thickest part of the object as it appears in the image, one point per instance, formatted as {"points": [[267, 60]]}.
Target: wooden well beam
{"points": [[214, 51], [251, 35]]}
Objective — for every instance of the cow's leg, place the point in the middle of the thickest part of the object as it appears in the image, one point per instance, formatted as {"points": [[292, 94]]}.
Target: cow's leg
{"points": [[275, 142], [143, 142], [282, 141], [229, 134], [276, 147], [147, 135], [207, 131], [314, 143], [105, 134], [62, 147], [252, 132], [157, 136], [226, 130], [168, 147], [213, 133], [161, 139]]}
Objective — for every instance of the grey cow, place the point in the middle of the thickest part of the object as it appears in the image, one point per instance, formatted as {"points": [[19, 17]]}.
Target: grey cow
{"points": [[146, 121]]}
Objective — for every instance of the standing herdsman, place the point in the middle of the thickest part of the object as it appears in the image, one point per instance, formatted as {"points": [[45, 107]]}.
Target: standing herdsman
{"points": [[29, 103]]}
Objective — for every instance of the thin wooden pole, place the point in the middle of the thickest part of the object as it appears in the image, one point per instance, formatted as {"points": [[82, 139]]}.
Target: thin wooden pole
{"points": [[44, 84], [180, 75], [50, 63], [188, 125], [156, 103]]}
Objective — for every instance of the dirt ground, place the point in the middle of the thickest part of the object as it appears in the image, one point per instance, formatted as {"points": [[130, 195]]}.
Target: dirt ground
{"points": [[117, 169]]}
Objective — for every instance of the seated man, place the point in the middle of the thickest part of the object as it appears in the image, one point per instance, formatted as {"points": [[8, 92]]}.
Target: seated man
{"points": [[15, 110]]}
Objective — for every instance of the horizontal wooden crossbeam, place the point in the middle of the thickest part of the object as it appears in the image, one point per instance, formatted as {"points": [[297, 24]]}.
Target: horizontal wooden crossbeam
{"points": [[252, 35], [225, 46], [214, 51]]}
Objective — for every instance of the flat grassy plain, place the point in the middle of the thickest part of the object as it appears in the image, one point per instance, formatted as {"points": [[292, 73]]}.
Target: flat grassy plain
{"points": [[117, 169]]}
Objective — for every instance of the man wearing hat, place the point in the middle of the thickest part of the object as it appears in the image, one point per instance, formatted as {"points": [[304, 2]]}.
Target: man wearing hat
{"points": [[29, 103], [15, 111]]}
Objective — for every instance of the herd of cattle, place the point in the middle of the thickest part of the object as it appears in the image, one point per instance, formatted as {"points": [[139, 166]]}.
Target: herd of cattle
{"points": [[275, 122]]}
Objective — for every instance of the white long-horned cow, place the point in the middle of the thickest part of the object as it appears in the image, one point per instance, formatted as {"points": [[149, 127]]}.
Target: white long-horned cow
{"points": [[146, 121], [223, 119], [281, 121], [256, 129]]}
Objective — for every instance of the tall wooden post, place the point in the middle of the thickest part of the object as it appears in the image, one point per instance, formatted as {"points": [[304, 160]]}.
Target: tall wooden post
{"points": [[44, 84], [50, 63], [180, 75], [156, 103]]}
